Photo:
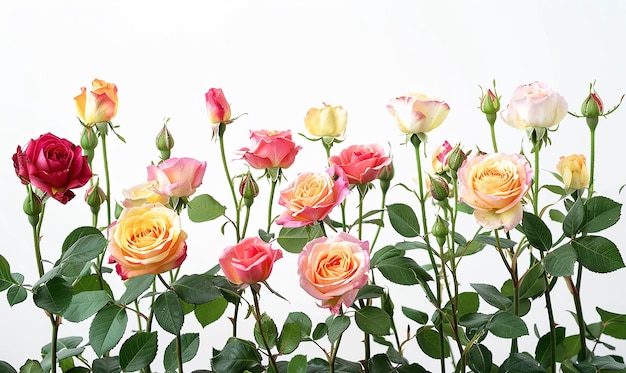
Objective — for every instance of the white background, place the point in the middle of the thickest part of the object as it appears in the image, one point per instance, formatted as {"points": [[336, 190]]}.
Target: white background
{"points": [[274, 61]]}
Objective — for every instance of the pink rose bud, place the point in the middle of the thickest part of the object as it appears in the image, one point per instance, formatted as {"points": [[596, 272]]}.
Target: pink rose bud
{"points": [[248, 189], [248, 262], [217, 107], [490, 102], [592, 106]]}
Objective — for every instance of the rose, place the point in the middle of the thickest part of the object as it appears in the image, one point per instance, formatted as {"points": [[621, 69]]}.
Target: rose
{"points": [[54, 165], [248, 262], [326, 121], [534, 105], [312, 196], [418, 113], [270, 149], [177, 177], [147, 239], [361, 163], [217, 107], [98, 105], [440, 158], [143, 193], [573, 171], [334, 269], [494, 185]]}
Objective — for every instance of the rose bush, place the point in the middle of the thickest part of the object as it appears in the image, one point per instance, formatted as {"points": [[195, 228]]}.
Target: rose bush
{"points": [[361, 163], [98, 105], [249, 261]]}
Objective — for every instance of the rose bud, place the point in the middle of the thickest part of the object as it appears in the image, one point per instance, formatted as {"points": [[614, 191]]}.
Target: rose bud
{"points": [[440, 230], [439, 188], [164, 141], [490, 102], [456, 158], [248, 189]]}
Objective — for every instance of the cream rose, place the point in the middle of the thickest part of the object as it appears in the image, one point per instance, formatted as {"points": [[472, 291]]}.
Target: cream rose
{"points": [[534, 105], [494, 185], [143, 193], [418, 113], [326, 121], [573, 171]]}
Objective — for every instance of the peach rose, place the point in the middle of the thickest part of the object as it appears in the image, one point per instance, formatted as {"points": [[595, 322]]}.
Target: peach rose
{"points": [[270, 149], [494, 185], [217, 108], [177, 177], [312, 196], [573, 171], [98, 105], [418, 113], [326, 121], [361, 163], [248, 262], [143, 193], [440, 158], [146, 240], [334, 269], [534, 105]]}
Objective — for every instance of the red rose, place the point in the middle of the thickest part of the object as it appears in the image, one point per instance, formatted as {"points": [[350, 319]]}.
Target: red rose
{"points": [[53, 165]]}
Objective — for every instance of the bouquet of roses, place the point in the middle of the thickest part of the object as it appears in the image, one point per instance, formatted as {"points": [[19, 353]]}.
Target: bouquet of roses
{"points": [[355, 265]]}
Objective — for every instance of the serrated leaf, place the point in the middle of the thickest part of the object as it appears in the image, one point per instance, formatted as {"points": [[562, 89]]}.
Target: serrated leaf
{"points": [[536, 231], [614, 323], [80, 253], [289, 338], [503, 243], [479, 358], [601, 213], [293, 240], [106, 365], [403, 220], [31, 366], [270, 332], [203, 208], [138, 351], [196, 289], [189, 342], [598, 254], [237, 356], [373, 320], [402, 270], [521, 363], [492, 295], [429, 342], [54, 296], [574, 219], [6, 280], [86, 304], [107, 328], [320, 331], [560, 261], [336, 326], [210, 312], [168, 312], [16, 294], [302, 320], [297, 364], [556, 215], [507, 325], [415, 315], [135, 287]]}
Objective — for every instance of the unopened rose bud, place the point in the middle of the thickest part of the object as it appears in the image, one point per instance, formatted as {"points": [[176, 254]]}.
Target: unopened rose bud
{"points": [[95, 197], [440, 230], [386, 176], [89, 141], [164, 141], [439, 188], [592, 106], [32, 207], [456, 158], [489, 102], [248, 189]]}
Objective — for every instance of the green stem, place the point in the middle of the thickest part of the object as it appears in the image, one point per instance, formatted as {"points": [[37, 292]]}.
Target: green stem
{"points": [[493, 135], [222, 130], [235, 317], [107, 181], [382, 216], [362, 191], [512, 268], [575, 290], [592, 161], [257, 316], [270, 205], [245, 221], [179, 353]]}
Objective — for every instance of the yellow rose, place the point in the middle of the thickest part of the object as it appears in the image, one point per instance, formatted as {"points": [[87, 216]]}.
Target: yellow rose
{"points": [[143, 193], [146, 240], [573, 171], [327, 121], [98, 105]]}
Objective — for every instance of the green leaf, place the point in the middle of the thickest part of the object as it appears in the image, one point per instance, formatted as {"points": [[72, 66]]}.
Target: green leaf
{"points": [[54, 296], [479, 358], [492, 295], [77, 256], [6, 280], [297, 364], [189, 342], [556, 215], [370, 291], [560, 261], [196, 289], [402, 270], [467, 302], [168, 312], [536, 231], [403, 220], [16, 294], [106, 365], [237, 356], [78, 233], [336, 326], [544, 346], [503, 243], [302, 320], [598, 254], [6, 367], [210, 312], [269, 331], [532, 284], [379, 363], [320, 331], [601, 213], [289, 339], [428, 340], [521, 363], [138, 351], [203, 208], [135, 287], [91, 282], [574, 219], [107, 328], [293, 240], [85, 304], [614, 323], [31, 366], [415, 315], [384, 253], [507, 325], [373, 320]]}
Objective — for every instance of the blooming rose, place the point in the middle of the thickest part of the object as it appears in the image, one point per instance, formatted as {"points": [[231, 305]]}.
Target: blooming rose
{"points": [[494, 185], [534, 105], [418, 113], [326, 121], [98, 105], [312, 196], [147, 239], [217, 107], [143, 193], [361, 163], [53, 165], [334, 269], [270, 149], [177, 177], [440, 158], [248, 262], [573, 171]]}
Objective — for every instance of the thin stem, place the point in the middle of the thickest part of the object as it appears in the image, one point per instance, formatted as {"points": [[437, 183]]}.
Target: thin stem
{"points": [[234, 319], [575, 290], [592, 161], [53, 343], [493, 136], [222, 130], [382, 216], [512, 268], [179, 353], [245, 222], [270, 205], [107, 181], [257, 316]]}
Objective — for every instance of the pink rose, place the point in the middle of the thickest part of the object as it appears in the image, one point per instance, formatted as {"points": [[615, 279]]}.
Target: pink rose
{"points": [[440, 158], [217, 107], [494, 185], [418, 113], [312, 196], [99, 104], [334, 269], [534, 105], [248, 262], [270, 149], [361, 163], [177, 177], [53, 165]]}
